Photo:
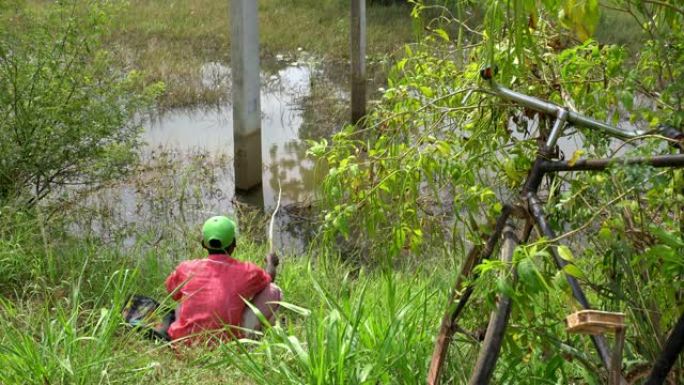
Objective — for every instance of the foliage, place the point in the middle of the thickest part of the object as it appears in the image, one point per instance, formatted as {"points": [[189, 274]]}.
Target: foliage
{"points": [[171, 41], [411, 190], [659, 72], [429, 165], [60, 294], [68, 116]]}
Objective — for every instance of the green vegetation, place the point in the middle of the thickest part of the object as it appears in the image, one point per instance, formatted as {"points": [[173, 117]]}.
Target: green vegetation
{"points": [[62, 325], [436, 155], [406, 195], [170, 41], [63, 105]]}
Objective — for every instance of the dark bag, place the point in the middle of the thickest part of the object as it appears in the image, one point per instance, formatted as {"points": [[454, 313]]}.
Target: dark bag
{"points": [[148, 316]]}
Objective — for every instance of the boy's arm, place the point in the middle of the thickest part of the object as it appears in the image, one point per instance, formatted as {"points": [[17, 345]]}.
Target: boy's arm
{"points": [[173, 283], [259, 278]]}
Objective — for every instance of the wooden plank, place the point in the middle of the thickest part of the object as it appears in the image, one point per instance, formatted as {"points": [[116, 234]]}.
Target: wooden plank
{"points": [[594, 322]]}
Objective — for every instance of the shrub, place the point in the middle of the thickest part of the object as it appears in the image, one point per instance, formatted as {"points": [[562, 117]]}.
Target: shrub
{"points": [[67, 114]]}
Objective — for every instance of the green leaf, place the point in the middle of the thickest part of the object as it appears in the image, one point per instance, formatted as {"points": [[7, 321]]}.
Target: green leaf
{"points": [[317, 149], [565, 253], [627, 100], [294, 308], [560, 281], [666, 237], [527, 274], [443, 147], [401, 64], [504, 287], [574, 271], [427, 91]]}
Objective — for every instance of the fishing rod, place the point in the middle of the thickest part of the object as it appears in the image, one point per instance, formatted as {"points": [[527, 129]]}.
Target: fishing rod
{"points": [[272, 260]]}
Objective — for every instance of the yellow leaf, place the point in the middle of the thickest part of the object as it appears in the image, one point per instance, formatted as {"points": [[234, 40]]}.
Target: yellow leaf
{"points": [[582, 16], [575, 157], [442, 33]]}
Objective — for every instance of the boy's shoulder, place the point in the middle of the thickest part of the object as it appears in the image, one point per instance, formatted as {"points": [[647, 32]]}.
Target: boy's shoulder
{"points": [[191, 263], [247, 265]]}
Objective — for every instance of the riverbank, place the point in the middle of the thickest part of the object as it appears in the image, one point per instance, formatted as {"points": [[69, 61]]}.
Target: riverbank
{"points": [[66, 294]]}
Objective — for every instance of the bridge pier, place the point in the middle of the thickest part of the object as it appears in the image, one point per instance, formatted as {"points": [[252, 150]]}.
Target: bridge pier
{"points": [[246, 96]]}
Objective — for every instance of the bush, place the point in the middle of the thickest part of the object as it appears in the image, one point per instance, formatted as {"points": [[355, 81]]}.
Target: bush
{"points": [[67, 114]]}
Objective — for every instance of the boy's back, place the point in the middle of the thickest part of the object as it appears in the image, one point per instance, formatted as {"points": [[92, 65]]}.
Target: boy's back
{"points": [[211, 292]]}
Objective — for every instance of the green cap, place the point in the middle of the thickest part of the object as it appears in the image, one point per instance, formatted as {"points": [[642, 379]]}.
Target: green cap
{"points": [[218, 233]]}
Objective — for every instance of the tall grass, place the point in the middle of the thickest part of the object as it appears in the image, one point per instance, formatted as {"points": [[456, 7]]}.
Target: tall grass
{"points": [[60, 296], [170, 41], [342, 324], [369, 329], [72, 339]]}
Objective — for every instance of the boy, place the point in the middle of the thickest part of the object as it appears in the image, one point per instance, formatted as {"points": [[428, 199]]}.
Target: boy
{"points": [[212, 291]]}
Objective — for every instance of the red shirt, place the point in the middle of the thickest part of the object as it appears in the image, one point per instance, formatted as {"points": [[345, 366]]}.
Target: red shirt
{"points": [[211, 293]]}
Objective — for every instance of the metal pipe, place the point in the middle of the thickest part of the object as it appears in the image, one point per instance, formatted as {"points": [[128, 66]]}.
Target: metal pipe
{"points": [[557, 130], [553, 110], [538, 214], [525, 100], [674, 161]]}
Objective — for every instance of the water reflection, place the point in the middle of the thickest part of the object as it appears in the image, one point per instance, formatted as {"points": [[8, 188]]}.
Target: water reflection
{"points": [[210, 130], [283, 102]]}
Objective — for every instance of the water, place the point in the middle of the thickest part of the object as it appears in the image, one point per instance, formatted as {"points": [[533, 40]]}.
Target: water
{"points": [[285, 165]]}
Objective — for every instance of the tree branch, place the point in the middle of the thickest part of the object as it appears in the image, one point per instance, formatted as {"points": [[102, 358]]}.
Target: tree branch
{"points": [[666, 5]]}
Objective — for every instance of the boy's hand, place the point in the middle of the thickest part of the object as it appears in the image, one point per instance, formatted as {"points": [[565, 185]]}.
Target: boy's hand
{"points": [[272, 262], [272, 259]]}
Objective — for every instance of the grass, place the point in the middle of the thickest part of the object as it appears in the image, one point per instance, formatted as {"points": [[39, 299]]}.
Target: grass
{"points": [[357, 335], [52, 339], [171, 40], [629, 34], [342, 323], [201, 28], [60, 295], [61, 322]]}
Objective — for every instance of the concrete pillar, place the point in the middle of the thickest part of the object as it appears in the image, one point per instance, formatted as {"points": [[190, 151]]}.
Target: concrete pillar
{"points": [[358, 60], [246, 98]]}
